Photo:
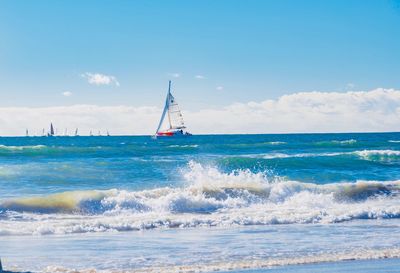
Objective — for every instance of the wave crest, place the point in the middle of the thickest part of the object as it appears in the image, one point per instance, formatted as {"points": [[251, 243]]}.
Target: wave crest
{"points": [[378, 154], [208, 197]]}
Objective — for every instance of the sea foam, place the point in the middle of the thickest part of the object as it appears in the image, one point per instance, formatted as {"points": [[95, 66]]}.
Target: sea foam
{"points": [[251, 263], [207, 197]]}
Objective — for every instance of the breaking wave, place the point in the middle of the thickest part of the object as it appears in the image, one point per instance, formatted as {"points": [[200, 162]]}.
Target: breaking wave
{"points": [[208, 197], [378, 154]]}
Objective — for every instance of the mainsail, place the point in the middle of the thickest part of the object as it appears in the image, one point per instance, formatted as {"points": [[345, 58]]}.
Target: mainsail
{"points": [[171, 114]]}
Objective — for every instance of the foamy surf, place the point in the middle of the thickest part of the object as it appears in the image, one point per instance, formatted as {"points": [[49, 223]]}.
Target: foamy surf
{"points": [[207, 198], [250, 263]]}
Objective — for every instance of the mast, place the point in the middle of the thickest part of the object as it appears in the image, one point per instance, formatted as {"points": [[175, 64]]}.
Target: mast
{"points": [[76, 132], [168, 100], [165, 109]]}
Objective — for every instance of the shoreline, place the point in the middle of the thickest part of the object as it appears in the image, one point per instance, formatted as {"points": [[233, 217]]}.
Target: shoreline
{"points": [[235, 266], [387, 265], [331, 261], [370, 265]]}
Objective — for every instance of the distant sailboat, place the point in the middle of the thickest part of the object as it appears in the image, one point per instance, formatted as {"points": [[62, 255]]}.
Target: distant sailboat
{"points": [[171, 122], [91, 133], [108, 134], [66, 132], [43, 134], [51, 133], [76, 132], [26, 132]]}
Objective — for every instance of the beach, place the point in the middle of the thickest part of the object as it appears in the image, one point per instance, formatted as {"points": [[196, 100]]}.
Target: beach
{"points": [[386, 266], [240, 249]]}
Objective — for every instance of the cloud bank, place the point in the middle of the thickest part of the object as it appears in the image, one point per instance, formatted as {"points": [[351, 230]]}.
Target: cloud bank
{"points": [[377, 110], [100, 79]]}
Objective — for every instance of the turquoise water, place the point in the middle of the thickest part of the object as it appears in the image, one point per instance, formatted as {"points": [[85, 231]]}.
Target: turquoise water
{"points": [[198, 201]]}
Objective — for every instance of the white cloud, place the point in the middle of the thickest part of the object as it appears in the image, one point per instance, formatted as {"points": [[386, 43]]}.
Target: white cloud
{"points": [[67, 93], [376, 110], [174, 75], [100, 79], [219, 88], [200, 77]]}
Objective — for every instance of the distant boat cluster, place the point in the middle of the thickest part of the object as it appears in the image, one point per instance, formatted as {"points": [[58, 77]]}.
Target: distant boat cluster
{"points": [[52, 132]]}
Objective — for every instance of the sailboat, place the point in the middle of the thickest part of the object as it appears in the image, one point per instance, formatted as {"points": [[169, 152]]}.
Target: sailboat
{"points": [[76, 132], [171, 123], [51, 133]]}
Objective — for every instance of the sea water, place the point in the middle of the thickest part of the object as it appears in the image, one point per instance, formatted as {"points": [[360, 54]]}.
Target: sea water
{"points": [[201, 203]]}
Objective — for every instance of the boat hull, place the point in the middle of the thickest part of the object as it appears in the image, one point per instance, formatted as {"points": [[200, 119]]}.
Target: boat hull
{"points": [[172, 134]]}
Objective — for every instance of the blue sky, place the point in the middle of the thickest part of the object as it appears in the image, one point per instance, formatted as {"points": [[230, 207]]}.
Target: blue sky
{"points": [[237, 66], [256, 50]]}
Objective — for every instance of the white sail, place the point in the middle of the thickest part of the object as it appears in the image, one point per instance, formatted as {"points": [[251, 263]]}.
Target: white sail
{"points": [[174, 114], [171, 117]]}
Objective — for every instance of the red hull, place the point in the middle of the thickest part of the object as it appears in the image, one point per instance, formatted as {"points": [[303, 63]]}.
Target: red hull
{"points": [[165, 134]]}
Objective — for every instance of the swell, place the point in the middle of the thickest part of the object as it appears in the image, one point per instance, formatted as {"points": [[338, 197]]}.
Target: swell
{"points": [[101, 150], [372, 155], [44, 149], [334, 143], [325, 143], [343, 165], [208, 197]]}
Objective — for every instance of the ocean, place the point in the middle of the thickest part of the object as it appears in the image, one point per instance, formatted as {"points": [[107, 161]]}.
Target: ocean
{"points": [[232, 203]]}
